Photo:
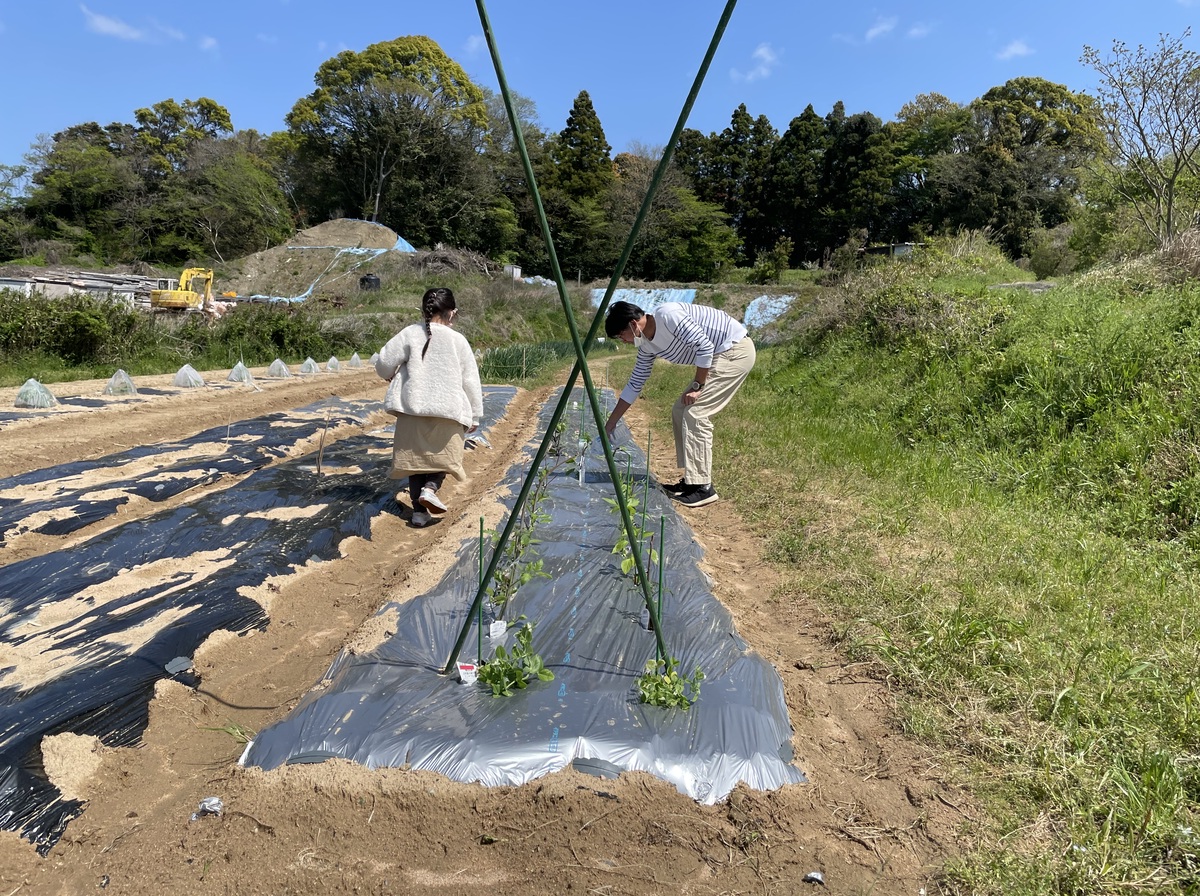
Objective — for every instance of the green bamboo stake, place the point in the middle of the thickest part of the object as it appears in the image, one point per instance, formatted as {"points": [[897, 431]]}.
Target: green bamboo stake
{"points": [[662, 559], [479, 611], [581, 346], [646, 480]]}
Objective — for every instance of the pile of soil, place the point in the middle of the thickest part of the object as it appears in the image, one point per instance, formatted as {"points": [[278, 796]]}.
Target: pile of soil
{"points": [[347, 233]]}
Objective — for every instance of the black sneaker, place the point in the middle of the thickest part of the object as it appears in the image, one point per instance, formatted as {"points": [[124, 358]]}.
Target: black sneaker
{"points": [[698, 496], [677, 489]]}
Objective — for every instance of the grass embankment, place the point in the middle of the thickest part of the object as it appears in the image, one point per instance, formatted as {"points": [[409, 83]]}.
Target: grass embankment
{"points": [[996, 493]]}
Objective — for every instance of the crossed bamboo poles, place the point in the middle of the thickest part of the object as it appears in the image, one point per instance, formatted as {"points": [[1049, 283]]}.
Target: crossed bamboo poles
{"points": [[582, 346]]}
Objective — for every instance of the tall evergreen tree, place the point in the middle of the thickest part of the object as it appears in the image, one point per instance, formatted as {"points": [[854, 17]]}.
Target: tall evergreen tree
{"points": [[790, 193], [577, 190], [581, 154]]}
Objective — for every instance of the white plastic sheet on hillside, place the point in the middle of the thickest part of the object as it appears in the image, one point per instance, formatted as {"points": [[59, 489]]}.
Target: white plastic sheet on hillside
{"points": [[391, 707], [646, 299], [766, 310]]}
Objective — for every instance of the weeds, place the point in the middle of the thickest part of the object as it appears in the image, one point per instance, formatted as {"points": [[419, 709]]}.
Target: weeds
{"points": [[994, 495]]}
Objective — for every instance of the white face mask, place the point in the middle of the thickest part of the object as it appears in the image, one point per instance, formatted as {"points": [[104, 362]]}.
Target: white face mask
{"points": [[639, 339]]}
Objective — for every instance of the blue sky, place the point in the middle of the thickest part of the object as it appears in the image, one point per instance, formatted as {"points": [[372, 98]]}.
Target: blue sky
{"points": [[71, 62]]}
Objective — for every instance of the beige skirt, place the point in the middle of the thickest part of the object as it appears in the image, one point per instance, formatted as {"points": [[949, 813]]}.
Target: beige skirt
{"points": [[427, 445]]}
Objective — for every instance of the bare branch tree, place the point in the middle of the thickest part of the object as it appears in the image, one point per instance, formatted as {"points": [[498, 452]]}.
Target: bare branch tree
{"points": [[1150, 101]]}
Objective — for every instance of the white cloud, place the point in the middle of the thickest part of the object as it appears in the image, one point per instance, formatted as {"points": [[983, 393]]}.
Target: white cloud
{"points": [[764, 58], [880, 28], [269, 39], [110, 27], [476, 45], [208, 44], [916, 32], [169, 32], [1015, 49]]}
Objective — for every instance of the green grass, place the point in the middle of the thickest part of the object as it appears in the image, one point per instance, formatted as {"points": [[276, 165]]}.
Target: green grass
{"points": [[984, 490]]}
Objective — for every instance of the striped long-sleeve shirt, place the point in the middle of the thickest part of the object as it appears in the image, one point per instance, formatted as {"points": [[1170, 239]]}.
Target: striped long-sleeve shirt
{"points": [[683, 334]]}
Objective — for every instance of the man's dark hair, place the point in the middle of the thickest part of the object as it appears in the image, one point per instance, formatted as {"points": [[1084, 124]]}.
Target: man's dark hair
{"points": [[620, 316]]}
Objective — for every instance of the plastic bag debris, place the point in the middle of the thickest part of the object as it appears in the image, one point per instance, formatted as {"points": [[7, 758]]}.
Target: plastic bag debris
{"points": [[210, 805], [814, 877], [34, 395]]}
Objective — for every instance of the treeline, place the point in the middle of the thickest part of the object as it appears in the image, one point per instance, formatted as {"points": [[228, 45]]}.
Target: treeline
{"points": [[399, 134]]}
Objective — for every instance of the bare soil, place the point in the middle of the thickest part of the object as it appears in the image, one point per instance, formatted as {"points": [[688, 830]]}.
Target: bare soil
{"points": [[880, 814]]}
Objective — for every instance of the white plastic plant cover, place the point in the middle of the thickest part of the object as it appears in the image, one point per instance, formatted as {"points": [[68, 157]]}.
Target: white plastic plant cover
{"points": [[278, 369], [120, 384], [355, 361], [333, 364], [390, 707], [240, 374], [34, 395], [188, 378], [309, 366]]}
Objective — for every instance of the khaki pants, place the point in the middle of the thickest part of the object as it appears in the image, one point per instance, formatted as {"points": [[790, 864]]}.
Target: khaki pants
{"points": [[693, 422]]}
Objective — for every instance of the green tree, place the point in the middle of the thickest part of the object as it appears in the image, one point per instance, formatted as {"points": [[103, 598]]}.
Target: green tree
{"points": [[1150, 102], [574, 184], [928, 127], [168, 131], [730, 169], [789, 195], [382, 116], [681, 238], [581, 155], [1021, 162], [231, 204]]}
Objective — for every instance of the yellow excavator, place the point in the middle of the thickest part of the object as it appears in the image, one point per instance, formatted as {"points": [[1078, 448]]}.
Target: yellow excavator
{"points": [[194, 292]]}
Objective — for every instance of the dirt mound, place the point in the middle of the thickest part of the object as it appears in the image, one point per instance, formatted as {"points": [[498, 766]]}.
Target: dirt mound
{"points": [[347, 233]]}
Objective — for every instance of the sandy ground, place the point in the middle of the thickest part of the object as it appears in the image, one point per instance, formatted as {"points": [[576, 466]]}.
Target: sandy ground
{"points": [[878, 816]]}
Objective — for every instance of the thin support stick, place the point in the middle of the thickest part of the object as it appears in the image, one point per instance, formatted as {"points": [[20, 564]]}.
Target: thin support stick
{"points": [[479, 613], [321, 446], [662, 559]]}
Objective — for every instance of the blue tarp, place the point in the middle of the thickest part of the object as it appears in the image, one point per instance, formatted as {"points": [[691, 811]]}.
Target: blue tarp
{"points": [[766, 309]]}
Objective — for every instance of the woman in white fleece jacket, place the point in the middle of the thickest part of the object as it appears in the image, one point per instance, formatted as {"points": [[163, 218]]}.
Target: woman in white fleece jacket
{"points": [[436, 398]]}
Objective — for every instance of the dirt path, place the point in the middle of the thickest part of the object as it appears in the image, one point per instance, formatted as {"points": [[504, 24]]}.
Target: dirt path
{"points": [[877, 817]]}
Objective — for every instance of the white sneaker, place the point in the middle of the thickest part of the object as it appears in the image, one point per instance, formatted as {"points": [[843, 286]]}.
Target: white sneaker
{"points": [[420, 519], [431, 502]]}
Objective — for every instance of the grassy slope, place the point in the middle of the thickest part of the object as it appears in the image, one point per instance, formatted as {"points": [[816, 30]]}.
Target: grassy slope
{"points": [[993, 492]]}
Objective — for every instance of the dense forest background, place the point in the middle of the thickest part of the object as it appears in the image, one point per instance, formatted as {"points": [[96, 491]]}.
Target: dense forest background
{"points": [[398, 134]]}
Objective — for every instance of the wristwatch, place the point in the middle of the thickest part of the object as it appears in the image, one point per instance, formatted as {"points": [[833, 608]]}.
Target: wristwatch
{"points": [[696, 386]]}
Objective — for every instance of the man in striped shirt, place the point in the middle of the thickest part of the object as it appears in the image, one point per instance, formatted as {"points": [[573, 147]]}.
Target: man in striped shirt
{"points": [[681, 333]]}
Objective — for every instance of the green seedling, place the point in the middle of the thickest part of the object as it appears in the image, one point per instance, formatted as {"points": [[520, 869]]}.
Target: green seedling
{"points": [[622, 547], [662, 685], [509, 671], [516, 570], [239, 733]]}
